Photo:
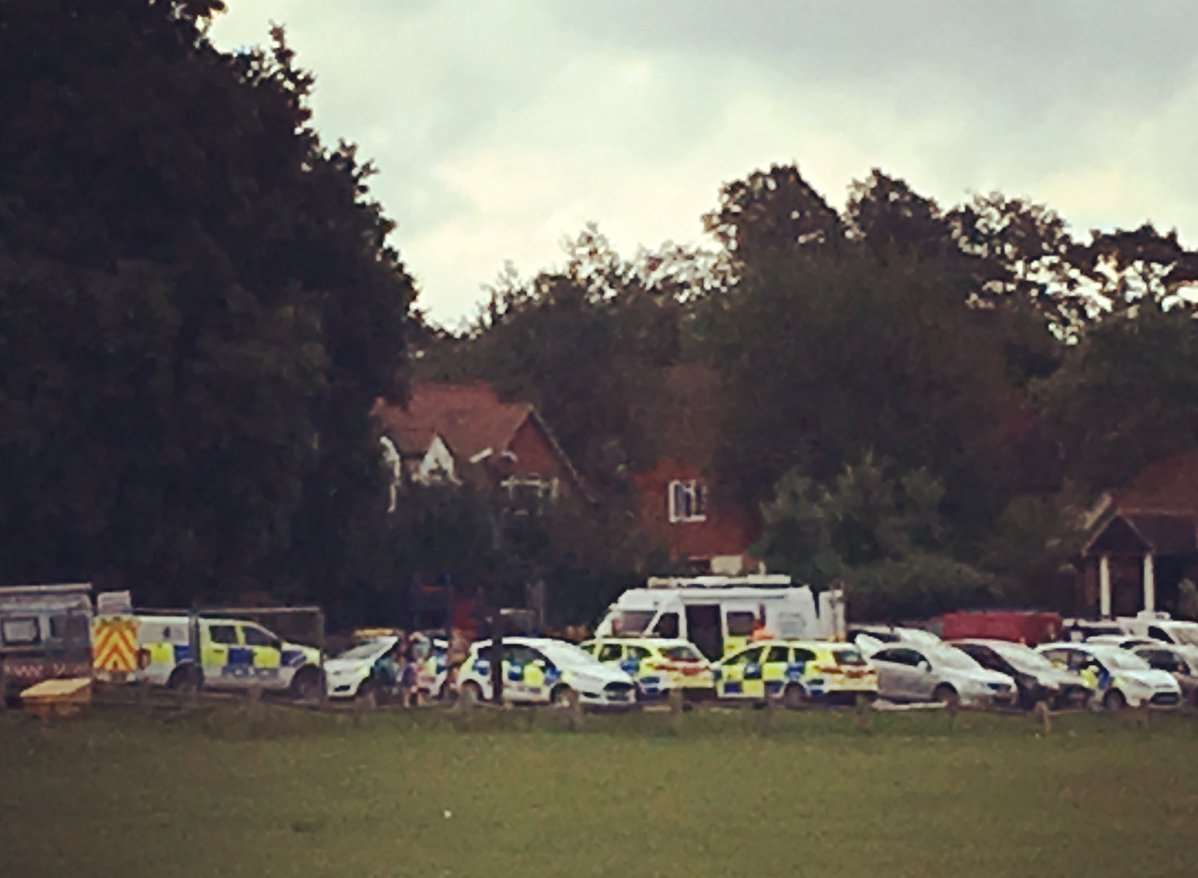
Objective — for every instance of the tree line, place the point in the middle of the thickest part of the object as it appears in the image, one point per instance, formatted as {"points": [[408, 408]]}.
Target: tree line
{"points": [[199, 302]]}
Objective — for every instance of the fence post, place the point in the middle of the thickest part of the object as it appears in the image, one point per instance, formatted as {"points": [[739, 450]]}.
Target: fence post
{"points": [[320, 644], [1045, 717]]}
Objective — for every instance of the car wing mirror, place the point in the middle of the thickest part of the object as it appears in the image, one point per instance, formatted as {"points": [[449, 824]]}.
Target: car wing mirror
{"points": [[924, 665]]}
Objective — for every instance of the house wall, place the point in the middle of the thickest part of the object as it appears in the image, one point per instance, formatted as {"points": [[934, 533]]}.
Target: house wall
{"points": [[437, 463], [727, 531]]}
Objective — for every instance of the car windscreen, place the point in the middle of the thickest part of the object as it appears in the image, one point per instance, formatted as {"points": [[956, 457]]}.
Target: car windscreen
{"points": [[849, 657], [1125, 661], [564, 653], [1024, 658], [953, 658], [362, 651], [633, 621]]}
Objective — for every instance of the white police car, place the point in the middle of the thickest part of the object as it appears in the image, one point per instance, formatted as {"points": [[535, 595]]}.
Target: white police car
{"points": [[539, 670], [356, 672]]}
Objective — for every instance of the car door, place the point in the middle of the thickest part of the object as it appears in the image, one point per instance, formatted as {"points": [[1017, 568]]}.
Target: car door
{"points": [[731, 683], [923, 677], [631, 662], [636, 664], [515, 660], [895, 672], [221, 639], [801, 666], [479, 670], [754, 674], [266, 655], [537, 674], [775, 664]]}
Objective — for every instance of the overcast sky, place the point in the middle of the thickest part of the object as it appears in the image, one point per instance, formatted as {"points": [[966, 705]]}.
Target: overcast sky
{"points": [[501, 128]]}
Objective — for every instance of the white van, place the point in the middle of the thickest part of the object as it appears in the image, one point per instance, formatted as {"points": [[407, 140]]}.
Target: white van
{"points": [[1160, 626], [719, 614]]}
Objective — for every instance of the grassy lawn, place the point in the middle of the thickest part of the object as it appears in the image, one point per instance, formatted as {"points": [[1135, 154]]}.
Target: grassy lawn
{"points": [[269, 791]]}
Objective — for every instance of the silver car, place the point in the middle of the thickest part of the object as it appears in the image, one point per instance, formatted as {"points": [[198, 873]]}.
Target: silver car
{"points": [[915, 672]]}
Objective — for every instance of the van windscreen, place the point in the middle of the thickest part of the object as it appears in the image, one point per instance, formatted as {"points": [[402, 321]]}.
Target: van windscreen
{"points": [[628, 622]]}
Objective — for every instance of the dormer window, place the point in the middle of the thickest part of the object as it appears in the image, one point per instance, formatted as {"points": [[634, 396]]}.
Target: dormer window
{"points": [[687, 501]]}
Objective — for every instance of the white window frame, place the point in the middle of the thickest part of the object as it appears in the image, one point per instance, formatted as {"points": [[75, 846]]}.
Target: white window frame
{"points": [[687, 500], [547, 488]]}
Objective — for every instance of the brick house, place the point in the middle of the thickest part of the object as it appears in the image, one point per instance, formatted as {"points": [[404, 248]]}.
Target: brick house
{"points": [[682, 505], [1143, 542], [464, 433]]}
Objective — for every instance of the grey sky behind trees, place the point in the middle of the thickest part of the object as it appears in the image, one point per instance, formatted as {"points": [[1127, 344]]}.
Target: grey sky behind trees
{"points": [[501, 128]]}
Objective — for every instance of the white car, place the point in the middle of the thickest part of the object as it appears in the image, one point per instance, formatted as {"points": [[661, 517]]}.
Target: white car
{"points": [[539, 670], [1120, 678], [909, 671], [353, 673]]}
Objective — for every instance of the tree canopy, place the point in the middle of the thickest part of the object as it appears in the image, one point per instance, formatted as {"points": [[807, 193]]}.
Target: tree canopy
{"points": [[198, 304]]}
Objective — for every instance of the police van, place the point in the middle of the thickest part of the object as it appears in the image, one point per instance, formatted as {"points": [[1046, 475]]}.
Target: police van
{"points": [[721, 614], [234, 654]]}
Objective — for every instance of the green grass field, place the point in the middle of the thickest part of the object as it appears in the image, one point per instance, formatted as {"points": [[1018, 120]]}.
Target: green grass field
{"points": [[263, 790]]}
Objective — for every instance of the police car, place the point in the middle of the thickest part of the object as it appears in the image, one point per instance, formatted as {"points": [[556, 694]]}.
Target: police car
{"points": [[657, 664], [234, 654], [796, 672], [538, 670], [433, 673], [356, 673], [1120, 678]]}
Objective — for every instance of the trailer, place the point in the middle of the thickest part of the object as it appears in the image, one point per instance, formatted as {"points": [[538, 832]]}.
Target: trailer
{"points": [[721, 614], [45, 634]]}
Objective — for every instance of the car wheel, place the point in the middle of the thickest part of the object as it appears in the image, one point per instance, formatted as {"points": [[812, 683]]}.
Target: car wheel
{"points": [[305, 685], [447, 693], [184, 679], [947, 696], [1114, 700], [794, 697], [472, 693], [563, 696]]}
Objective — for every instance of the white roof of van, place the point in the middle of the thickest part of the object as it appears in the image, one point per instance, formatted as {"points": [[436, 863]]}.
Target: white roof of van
{"points": [[751, 581]]}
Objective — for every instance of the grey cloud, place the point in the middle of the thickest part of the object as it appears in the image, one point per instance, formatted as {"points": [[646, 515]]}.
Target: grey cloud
{"points": [[497, 125]]}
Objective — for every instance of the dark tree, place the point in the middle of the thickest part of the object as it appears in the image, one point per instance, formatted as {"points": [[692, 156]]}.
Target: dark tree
{"points": [[197, 307]]}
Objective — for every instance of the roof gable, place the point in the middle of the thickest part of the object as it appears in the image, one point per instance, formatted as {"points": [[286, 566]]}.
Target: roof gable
{"points": [[469, 417]]}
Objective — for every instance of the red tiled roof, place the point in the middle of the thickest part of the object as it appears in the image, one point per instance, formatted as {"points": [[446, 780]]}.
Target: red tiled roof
{"points": [[469, 417], [1170, 484]]}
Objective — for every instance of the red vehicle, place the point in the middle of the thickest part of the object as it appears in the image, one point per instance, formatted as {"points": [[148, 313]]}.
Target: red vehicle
{"points": [[1019, 626]]}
